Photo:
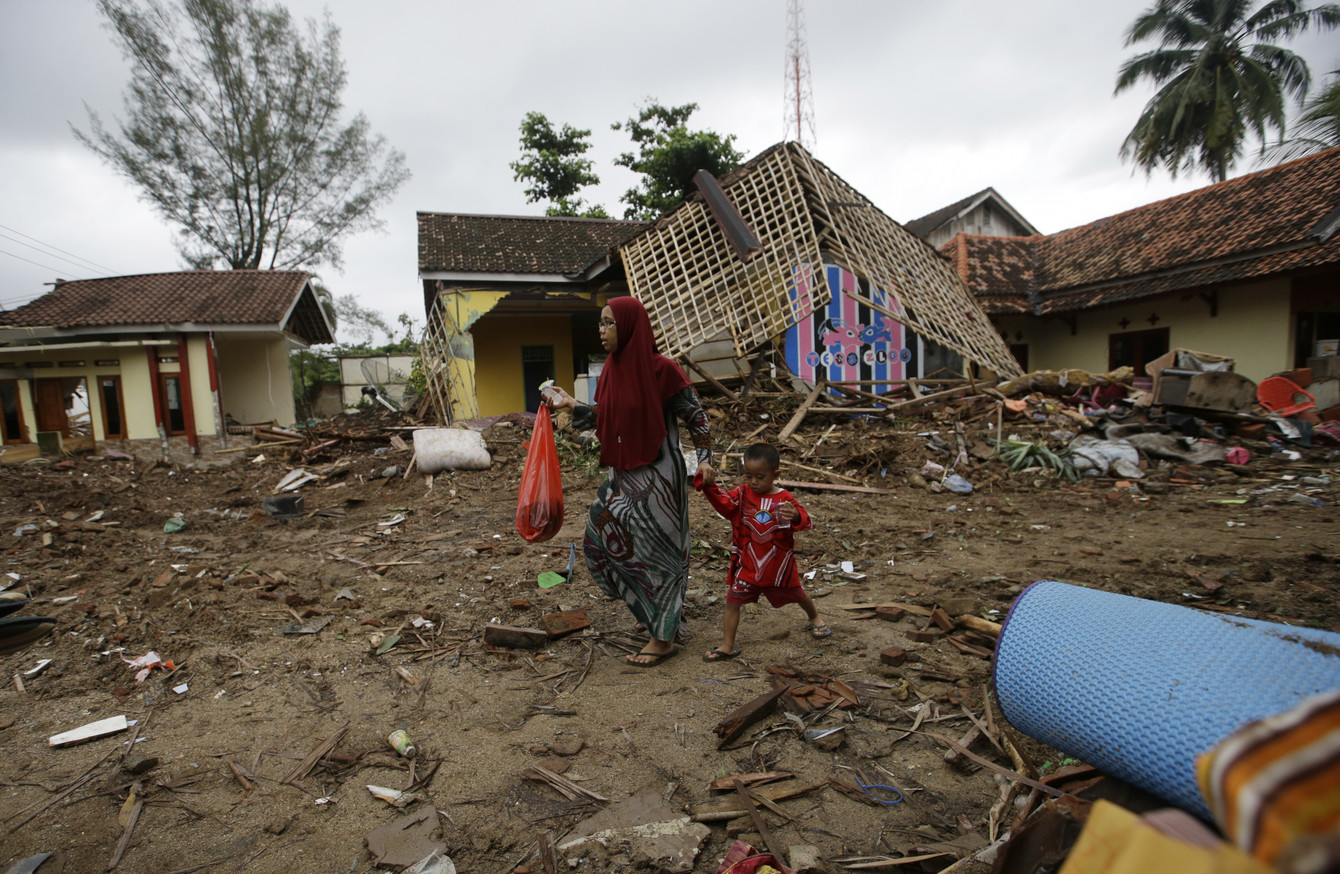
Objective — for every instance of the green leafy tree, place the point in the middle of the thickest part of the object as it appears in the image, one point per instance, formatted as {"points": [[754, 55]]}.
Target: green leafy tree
{"points": [[233, 132], [311, 370], [1317, 127], [552, 163], [1221, 79], [667, 156]]}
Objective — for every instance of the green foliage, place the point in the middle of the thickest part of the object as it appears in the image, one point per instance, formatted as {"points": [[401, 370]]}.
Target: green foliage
{"points": [[553, 164], [1317, 128], [668, 154], [1023, 454], [311, 370], [1220, 79], [232, 132]]}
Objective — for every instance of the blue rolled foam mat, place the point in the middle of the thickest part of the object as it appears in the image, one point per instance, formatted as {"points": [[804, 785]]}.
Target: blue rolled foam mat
{"points": [[1139, 688]]}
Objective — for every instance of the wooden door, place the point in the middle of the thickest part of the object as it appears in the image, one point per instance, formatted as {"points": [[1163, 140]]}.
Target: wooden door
{"points": [[50, 400]]}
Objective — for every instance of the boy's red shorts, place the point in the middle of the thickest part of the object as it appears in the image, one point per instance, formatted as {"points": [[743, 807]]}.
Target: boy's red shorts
{"points": [[741, 592]]}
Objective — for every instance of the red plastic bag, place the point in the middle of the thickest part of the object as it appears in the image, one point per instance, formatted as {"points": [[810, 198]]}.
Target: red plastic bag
{"points": [[539, 501]]}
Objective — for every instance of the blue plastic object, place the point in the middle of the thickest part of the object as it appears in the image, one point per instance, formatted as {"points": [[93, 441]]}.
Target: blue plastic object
{"points": [[897, 796], [1139, 688]]}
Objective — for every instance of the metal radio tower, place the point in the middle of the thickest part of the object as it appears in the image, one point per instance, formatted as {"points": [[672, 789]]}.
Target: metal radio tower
{"points": [[799, 99]]}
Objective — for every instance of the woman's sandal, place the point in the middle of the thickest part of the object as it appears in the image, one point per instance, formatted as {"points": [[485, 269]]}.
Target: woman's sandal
{"points": [[716, 654], [656, 658], [821, 630]]}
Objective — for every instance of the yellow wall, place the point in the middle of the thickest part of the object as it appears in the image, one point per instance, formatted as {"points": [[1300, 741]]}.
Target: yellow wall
{"points": [[498, 341], [1254, 327], [254, 380], [132, 367], [202, 401]]}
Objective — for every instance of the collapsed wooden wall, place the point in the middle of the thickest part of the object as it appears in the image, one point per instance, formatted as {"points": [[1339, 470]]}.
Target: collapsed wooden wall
{"points": [[694, 286]]}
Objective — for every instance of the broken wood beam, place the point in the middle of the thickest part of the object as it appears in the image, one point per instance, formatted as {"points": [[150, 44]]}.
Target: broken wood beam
{"points": [[804, 408], [977, 623], [730, 807], [747, 799], [903, 406], [758, 778], [317, 754], [820, 470], [744, 716], [715, 383], [833, 487]]}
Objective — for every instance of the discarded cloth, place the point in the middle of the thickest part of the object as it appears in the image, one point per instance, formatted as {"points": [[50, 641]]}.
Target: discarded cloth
{"points": [[1095, 457]]}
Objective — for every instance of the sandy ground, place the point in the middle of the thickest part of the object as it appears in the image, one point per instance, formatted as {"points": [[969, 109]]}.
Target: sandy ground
{"points": [[219, 771]]}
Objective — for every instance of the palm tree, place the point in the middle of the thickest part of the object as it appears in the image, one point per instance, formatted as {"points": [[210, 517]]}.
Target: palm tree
{"points": [[1317, 128], [1220, 78]]}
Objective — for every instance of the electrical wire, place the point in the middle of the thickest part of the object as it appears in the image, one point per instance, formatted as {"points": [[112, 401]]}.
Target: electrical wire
{"points": [[86, 262]]}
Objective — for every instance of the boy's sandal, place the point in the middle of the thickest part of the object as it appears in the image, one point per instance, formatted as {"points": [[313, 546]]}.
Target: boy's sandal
{"points": [[820, 630], [716, 654]]}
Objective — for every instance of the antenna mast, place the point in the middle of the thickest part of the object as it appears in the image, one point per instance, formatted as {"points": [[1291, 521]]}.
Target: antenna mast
{"points": [[798, 99]]}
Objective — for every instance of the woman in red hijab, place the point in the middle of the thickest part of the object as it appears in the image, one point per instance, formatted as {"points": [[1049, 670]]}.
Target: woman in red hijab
{"points": [[637, 536]]}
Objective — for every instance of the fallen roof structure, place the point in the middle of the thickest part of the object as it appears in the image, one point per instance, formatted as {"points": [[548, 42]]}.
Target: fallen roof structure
{"points": [[697, 285]]}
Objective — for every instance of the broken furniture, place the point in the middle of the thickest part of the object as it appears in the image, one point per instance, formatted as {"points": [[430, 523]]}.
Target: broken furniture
{"points": [[1284, 397]]}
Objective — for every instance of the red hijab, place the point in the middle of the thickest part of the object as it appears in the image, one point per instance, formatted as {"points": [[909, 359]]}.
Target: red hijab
{"points": [[634, 385]]}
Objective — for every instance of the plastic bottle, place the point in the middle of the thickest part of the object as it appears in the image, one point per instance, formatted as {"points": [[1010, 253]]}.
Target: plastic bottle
{"points": [[400, 742]]}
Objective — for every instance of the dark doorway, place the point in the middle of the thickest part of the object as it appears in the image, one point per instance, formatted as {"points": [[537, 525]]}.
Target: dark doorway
{"points": [[1135, 349], [113, 419], [11, 425], [537, 365], [174, 414]]}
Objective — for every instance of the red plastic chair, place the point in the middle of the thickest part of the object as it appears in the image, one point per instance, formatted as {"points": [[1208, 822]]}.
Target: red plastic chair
{"points": [[1284, 397]]}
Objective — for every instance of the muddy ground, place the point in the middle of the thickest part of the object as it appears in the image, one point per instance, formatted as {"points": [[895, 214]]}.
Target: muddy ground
{"points": [[217, 598]]}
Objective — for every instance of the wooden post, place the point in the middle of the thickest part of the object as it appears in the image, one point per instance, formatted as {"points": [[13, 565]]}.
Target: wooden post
{"points": [[707, 376], [799, 417]]}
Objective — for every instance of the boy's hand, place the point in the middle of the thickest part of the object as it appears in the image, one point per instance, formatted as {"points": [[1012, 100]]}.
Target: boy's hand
{"points": [[708, 473], [787, 512]]}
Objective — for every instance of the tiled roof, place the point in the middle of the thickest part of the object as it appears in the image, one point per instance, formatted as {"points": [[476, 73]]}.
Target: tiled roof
{"points": [[1282, 218], [999, 270], [456, 243], [261, 298]]}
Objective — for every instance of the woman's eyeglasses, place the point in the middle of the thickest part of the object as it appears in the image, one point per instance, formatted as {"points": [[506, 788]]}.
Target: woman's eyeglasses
{"points": [[608, 323]]}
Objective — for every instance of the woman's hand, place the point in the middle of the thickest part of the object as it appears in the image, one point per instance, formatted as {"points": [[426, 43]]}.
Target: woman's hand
{"points": [[708, 473], [558, 399]]}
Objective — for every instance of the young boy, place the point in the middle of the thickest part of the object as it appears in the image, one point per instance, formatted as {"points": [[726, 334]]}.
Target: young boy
{"points": [[763, 520]]}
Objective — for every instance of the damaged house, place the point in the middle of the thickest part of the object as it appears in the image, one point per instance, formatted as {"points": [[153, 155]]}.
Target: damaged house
{"points": [[1248, 268], [780, 264], [173, 360]]}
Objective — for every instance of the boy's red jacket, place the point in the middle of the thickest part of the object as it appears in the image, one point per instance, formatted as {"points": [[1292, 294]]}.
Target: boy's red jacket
{"points": [[762, 549]]}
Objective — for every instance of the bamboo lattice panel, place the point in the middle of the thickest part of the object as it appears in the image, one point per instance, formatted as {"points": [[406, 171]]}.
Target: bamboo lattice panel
{"points": [[693, 285], [932, 299], [444, 373]]}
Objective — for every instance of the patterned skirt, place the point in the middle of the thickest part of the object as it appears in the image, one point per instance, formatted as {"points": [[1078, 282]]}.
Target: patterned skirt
{"points": [[637, 538]]}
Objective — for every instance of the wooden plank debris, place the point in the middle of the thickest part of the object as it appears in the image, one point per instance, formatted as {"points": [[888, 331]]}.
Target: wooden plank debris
{"points": [[731, 807], [746, 715], [90, 731], [565, 787], [317, 754], [799, 415], [747, 799], [514, 636], [565, 622], [758, 778]]}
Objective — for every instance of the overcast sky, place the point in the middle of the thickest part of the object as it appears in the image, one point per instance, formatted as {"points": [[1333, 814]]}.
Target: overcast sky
{"points": [[916, 105]]}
